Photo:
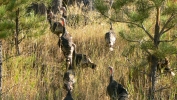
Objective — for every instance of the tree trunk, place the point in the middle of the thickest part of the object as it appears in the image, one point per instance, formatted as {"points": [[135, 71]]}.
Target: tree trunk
{"points": [[0, 68], [157, 28], [17, 32], [154, 58], [153, 69]]}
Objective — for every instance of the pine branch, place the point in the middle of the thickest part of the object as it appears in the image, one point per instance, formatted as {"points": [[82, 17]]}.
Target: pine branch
{"points": [[147, 32], [168, 29], [166, 24], [147, 51], [133, 23], [168, 40]]}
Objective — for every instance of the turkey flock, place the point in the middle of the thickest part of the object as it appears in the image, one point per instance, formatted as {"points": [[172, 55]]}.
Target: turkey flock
{"points": [[68, 48], [73, 59]]}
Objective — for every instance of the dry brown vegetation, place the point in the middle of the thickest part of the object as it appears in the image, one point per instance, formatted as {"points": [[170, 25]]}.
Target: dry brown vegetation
{"points": [[37, 74]]}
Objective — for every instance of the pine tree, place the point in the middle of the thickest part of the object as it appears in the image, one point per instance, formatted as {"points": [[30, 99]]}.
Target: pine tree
{"points": [[154, 18], [17, 24]]}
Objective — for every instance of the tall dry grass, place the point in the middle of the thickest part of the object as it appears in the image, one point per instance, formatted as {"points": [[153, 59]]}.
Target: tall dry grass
{"points": [[38, 72]]}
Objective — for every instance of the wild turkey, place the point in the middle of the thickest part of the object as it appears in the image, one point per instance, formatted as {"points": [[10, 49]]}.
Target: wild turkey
{"points": [[115, 90], [82, 60], [111, 2], [163, 65], [56, 27], [86, 3], [68, 96], [66, 44], [68, 84], [110, 38], [63, 12], [69, 79]]}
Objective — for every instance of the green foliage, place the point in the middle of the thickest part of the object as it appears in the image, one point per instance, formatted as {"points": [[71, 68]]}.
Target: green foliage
{"points": [[141, 11], [170, 8], [10, 5], [32, 21], [8, 16], [2, 11], [147, 45], [121, 33], [158, 3], [118, 4], [167, 48], [33, 25], [132, 34], [101, 6], [5, 29], [4, 34], [172, 11], [6, 24], [139, 14]]}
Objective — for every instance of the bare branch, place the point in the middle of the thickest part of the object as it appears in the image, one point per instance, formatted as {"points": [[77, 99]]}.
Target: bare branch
{"points": [[140, 26], [147, 51], [147, 32], [162, 88], [167, 29], [168, 21], [174, 37], [166, 40], [20, 40]]}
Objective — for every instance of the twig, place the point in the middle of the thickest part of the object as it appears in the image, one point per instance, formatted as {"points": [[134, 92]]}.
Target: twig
{"points": [[20, 40], [162, 88]]}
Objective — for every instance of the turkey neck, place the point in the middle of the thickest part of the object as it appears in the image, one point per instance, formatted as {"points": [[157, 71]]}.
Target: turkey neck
{"points": [[111, 26], [74, 54], [69, 93], [64, 31], [111, 77]]}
